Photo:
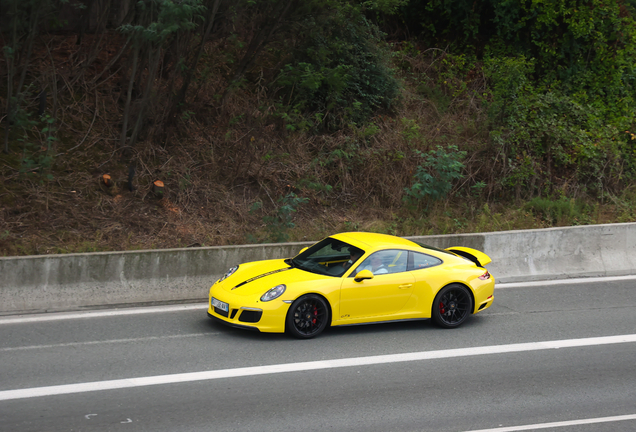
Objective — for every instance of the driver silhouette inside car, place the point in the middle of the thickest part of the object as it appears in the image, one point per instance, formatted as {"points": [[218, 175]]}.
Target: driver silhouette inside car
{"points": [[375, 265], [354, 254]]}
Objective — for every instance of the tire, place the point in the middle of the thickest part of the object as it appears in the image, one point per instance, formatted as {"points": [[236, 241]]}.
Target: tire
{"points": [[452, 306], [307, 317]]}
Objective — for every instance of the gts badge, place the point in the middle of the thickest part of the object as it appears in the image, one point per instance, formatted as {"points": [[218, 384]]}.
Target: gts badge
{"points": [[344, 316]]}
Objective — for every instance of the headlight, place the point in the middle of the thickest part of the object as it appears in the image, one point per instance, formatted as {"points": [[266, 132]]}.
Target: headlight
{"points": [[275, 292], [229, 273]]}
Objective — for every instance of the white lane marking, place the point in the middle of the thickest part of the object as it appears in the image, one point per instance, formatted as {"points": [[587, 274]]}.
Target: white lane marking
{"points": [[54, 316], [559, 424], [306, 366], [573, 281], [109, 341]]}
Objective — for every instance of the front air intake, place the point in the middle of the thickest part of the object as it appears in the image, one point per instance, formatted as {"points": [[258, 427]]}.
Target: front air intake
{"points": [[250, 316], [220, 312]]}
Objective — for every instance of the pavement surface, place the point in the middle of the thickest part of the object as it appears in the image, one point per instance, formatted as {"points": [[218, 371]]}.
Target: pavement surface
{"points": [[554, 356]]}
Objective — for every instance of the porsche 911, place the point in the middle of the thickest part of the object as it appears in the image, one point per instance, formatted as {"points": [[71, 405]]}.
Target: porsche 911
{"points": [[354, 278]]}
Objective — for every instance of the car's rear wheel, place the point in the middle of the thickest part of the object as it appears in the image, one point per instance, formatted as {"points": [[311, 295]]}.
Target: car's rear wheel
{"points": [[452, 306], [307, 317]]}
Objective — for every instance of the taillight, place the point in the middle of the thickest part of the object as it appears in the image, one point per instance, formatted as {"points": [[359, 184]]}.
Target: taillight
{"points": [[485, 276]]}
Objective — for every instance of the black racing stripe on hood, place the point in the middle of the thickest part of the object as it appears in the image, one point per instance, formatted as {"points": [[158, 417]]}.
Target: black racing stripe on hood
{"points": [[262, 276]]}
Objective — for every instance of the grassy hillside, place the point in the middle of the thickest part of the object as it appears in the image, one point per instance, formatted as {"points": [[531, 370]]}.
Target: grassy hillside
{"points": [[342, 128]]}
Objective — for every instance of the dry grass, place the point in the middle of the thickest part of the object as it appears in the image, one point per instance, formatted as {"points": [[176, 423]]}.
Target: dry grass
{"points": [[218, 162]]}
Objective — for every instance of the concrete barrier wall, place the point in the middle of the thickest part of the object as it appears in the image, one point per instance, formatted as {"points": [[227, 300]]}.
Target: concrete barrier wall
{"points": [[76, 281], [552, 253]]}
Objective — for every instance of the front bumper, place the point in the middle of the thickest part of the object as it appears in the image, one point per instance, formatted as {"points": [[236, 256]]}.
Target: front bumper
{"points": [[267, 317], [231, 324]]}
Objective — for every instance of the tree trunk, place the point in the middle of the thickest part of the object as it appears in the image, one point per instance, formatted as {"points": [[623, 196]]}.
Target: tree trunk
{"points": [[131, 82], [153, 65], [11, 69], [187, 79], [257, 43]]}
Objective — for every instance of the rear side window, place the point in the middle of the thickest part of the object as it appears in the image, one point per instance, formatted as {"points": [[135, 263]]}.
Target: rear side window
{"points": [[421, 261]]}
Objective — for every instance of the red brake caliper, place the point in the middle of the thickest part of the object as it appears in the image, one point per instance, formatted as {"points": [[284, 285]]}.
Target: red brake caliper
{"points": [[315, 315], [441, 308]]}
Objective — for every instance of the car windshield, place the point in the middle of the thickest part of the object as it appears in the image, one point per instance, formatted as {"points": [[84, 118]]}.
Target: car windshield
{"points": [[329, 257]]}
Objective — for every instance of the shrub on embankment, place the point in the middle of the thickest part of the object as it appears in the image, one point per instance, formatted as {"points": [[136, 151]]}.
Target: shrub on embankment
{"points": [[287, 119]]}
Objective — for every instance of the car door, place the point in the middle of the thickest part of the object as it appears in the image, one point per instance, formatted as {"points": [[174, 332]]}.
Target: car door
{"points": [[384, 295], [426, 271]]}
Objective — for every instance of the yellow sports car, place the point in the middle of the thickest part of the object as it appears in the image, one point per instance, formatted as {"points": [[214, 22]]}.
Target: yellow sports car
{"points": [[354, 278]]}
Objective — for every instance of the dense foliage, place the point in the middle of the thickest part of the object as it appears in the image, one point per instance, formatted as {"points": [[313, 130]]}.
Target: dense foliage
{"points": [[561, 85], [339, 73], [271, 110]]}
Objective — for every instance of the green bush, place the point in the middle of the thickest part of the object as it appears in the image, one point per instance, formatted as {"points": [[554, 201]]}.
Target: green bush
{"points": [[339, 74], [562, 85], [434, 177], [548, 137], [279, 224]]}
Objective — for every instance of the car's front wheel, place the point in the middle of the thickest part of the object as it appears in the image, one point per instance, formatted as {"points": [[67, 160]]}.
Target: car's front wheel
{"points": [[452, 306], [307, 317]]}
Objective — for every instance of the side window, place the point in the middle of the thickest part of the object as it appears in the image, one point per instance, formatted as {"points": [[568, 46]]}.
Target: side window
{"points": [[383, 262], [421, 261]]}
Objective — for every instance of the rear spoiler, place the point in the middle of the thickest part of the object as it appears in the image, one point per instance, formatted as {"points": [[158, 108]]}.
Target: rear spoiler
{"points": [[479, 258]]}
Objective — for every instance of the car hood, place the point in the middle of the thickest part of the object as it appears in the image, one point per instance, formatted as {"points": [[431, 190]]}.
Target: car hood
{"points": [[255, 278]]}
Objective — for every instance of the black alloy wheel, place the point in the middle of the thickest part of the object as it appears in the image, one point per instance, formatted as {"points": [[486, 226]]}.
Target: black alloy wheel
{"points": [[452, 305], [307, 317]]}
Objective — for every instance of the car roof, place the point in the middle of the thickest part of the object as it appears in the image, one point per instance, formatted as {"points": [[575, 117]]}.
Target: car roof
{"points": [[374, 240]]}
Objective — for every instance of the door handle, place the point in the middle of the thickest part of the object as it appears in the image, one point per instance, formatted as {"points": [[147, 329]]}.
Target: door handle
{"points": [[405, 286]]}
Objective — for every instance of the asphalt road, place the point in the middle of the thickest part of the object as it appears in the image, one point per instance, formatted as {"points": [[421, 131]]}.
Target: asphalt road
{"points": [[541, 358]]}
